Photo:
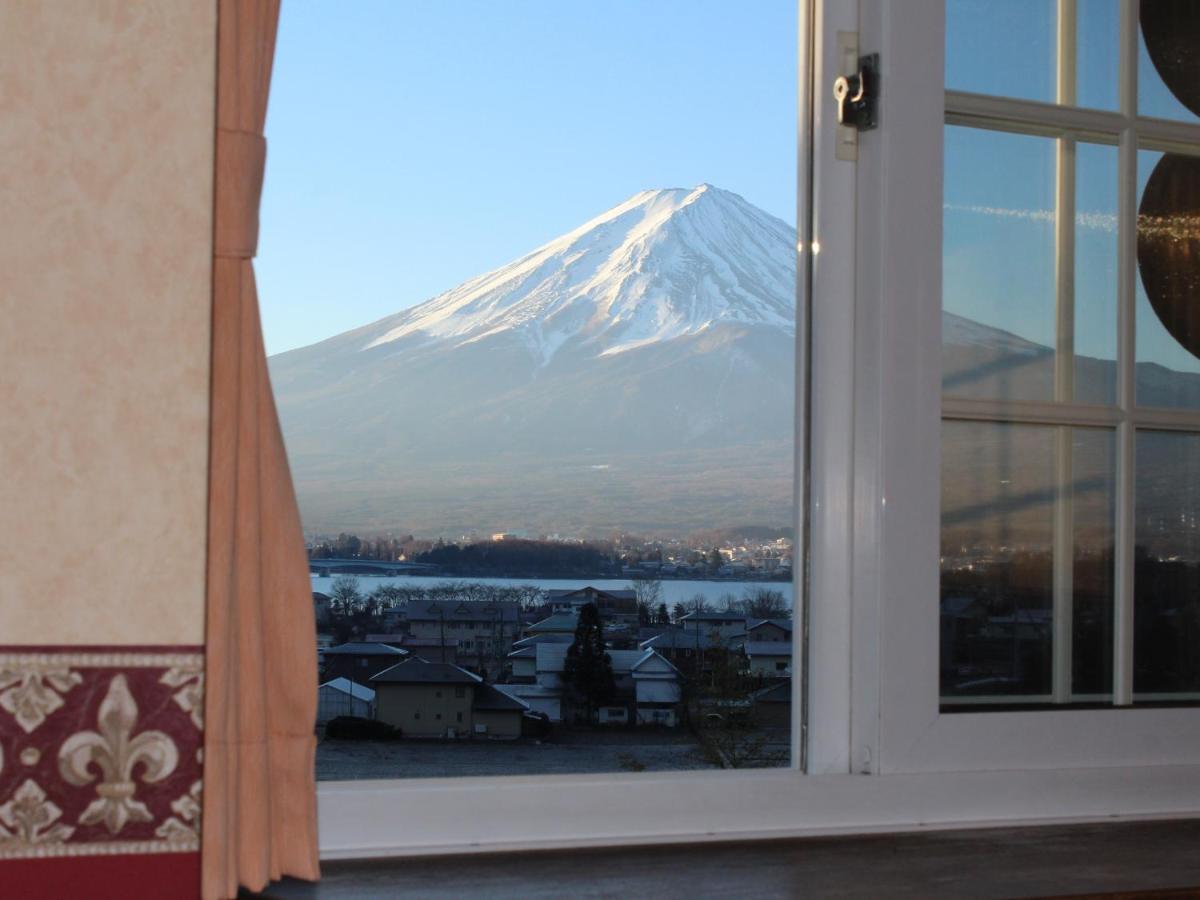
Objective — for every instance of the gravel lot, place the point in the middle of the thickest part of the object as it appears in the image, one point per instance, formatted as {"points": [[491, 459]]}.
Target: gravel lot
{"points": [[599, 751]]}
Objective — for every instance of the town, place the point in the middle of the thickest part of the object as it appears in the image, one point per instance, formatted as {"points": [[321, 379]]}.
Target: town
{"points": [[646, 686]]}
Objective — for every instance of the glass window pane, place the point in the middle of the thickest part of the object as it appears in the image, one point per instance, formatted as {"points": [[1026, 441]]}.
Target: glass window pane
{"points": [[998, 269], [1006, 48], [1091, 495], [535, 378], [1169, 60], [1095, 273], [997, 560], [1167, 566], [1006, 491], [1097, 53], [1168, 299]]}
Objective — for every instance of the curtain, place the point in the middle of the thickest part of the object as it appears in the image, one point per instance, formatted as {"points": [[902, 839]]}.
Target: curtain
{"points": [[259, 812]]}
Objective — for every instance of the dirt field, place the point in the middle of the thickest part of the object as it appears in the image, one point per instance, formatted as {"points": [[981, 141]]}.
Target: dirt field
{"points": [[588, 751]]}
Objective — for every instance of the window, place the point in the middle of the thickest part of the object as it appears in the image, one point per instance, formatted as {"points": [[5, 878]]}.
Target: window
{"points": [[874, 691], [460, 692], [1071, 380], [611, 428], [459, 716]]}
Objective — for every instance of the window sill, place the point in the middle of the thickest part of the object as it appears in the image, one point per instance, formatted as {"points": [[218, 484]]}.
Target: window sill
{"points": [[370, 819]]}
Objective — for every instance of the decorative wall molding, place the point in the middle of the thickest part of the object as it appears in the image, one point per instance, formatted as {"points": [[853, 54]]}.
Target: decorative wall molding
{"points": [[100, 750]]}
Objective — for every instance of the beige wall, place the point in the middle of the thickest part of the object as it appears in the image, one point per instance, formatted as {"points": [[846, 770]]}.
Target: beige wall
{"points": [[500, 725], [398, 704], [106, 138]]}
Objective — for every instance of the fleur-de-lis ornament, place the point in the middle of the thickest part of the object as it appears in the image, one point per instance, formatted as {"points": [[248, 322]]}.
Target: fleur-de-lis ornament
{"points": [[116, 751]]}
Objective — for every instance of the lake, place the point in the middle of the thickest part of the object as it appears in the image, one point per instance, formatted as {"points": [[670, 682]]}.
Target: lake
{"points": [[673, 591]]}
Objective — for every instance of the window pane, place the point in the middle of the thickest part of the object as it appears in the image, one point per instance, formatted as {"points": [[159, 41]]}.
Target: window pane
{"points": [[1168, 300], [998, 269], [1006, 48], [997, 559], [1091, 511], [1095, 273], [534, 370], [1097, 53], [1167, 566], [1169, 60], [1006, 490]]}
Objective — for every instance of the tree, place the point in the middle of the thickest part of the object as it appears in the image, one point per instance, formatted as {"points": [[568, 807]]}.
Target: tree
{"points": [[764, 603], [587, 672], [679, 611], [344, 593], [732, 736], [661, 616], [648, 591]]}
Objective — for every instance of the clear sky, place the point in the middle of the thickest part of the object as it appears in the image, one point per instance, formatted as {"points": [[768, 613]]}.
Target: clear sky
{"points": [[413, 144]]}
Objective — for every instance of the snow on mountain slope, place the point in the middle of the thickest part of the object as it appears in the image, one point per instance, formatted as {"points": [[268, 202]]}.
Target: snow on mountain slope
{"points": [[664, 264]]}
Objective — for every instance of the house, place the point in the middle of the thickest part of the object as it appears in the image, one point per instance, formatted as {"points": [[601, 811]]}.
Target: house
{"points": [[769, 630], [770, 659], [727, 624], [439, 700], [343, 697], [523, 663], [322, 607], [481, 631], [539, 699], [692, 651], [359, 660], [648, 687], [613, 606], [558, 623]]}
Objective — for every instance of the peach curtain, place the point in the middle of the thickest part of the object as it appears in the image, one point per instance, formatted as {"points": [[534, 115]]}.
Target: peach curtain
{"points": [[259, 814]]}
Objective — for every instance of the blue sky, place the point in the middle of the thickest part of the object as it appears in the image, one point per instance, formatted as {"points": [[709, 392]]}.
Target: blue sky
{"points": [[998, 264], [414, 144]]}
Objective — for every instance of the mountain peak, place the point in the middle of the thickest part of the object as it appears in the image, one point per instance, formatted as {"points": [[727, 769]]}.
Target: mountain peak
{"points": [[664, 264]]}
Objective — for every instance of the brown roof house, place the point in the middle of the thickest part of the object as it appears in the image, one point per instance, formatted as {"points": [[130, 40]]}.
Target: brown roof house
{"points": [[439, 700]]}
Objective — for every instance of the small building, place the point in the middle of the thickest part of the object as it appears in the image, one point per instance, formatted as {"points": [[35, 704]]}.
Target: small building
{"points": [[343, 697], [439, 700], [613, 606], [773, 705], [539, 699], [770, 659], [762, 630], [360, 660]]}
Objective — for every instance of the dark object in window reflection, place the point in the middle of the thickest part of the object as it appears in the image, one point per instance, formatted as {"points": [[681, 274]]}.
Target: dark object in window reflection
{"points": [[1171, 29], [1168, 246]]}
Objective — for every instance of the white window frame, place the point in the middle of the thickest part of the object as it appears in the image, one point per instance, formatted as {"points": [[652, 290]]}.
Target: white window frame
{"points": [[879, 755]]}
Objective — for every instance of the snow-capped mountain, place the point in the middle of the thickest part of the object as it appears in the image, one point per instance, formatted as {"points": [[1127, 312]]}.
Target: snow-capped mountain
{"points": [[636, 371], [662, 265]]}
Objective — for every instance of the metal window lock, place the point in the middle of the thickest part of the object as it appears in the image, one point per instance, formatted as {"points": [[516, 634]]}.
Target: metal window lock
{"points": [[857, 95]]}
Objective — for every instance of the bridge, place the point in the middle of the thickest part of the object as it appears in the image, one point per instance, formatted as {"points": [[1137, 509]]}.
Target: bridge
{"points": [[327, 567]]}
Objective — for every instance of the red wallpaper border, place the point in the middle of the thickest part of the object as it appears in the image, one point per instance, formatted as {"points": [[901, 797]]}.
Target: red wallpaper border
{"points": [[100, 761]]}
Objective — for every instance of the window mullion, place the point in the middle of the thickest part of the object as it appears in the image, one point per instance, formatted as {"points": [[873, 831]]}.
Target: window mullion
{"points": [[1064, 364], [1126, 348]]}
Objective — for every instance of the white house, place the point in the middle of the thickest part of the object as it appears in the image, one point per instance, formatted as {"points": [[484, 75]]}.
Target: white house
{"points": [[772, 659], [646, 682]]}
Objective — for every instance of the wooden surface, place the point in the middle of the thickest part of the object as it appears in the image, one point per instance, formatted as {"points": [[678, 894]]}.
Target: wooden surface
{"points": [[1127, 859]]}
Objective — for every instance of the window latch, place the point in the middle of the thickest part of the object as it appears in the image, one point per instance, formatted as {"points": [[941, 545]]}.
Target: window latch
{"points": [[857, 95]]}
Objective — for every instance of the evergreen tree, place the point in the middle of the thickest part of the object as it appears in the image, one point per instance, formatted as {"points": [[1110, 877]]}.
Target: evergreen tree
{"points": [[587, 673]]}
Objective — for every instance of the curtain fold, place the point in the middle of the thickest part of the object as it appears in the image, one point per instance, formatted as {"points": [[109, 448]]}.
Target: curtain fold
{"points": [[259, 812]]}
